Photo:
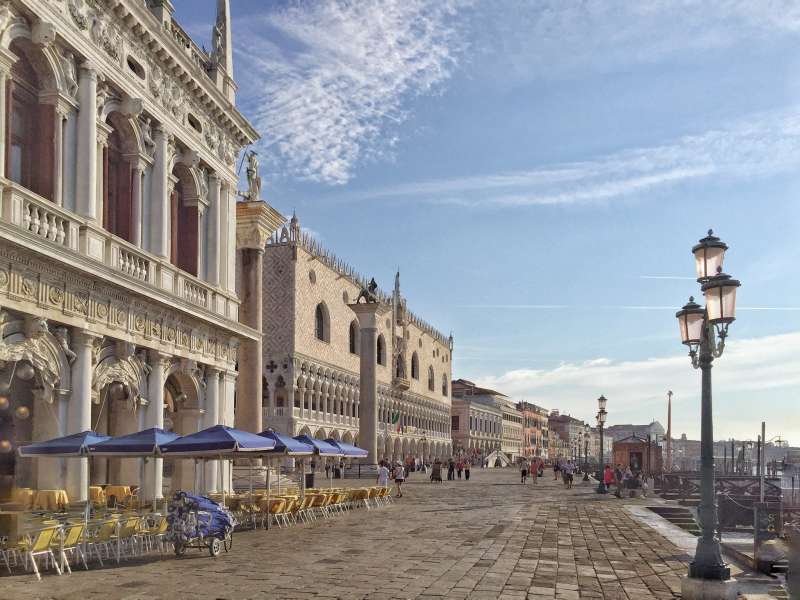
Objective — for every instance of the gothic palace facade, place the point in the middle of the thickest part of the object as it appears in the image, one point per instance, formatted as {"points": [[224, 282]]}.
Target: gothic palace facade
{"points": [[117, 232], [311, 355]]}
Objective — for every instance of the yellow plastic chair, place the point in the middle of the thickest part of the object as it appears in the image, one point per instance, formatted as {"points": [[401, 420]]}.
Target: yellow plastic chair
{"points": [[106, 536], [155, 534], [73, 538], [40, 546]]}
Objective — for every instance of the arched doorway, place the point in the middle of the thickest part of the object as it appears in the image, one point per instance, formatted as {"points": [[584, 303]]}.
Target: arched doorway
{"points": [[185, 219], [182, 415]]}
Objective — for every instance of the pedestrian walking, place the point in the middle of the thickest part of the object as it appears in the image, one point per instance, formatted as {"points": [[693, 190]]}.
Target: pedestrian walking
{"points": [[451, 469], [399, 478], [459, 469], [523, 471], [568, 469], [556, 470], [383, 475], [618, 481], [466, 470], [608, 478], [534, 470]]}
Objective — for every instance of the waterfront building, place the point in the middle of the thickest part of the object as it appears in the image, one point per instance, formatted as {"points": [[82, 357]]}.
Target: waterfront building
{"points": [[654, 429], [570, 431], [535, 430], [118, 138], [477, 428], [511, 428], [311, 355]]}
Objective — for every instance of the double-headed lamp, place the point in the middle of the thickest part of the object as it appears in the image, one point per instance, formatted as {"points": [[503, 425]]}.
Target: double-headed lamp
{"points": [[720, 292], [690, 322], [709, 253]]}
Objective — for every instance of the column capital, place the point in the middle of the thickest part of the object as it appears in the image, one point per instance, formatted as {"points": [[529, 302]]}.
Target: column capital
{"points": [[212, 371], [156, 357], [255, 223], [88, 69], [84, 337], [368, 313]]}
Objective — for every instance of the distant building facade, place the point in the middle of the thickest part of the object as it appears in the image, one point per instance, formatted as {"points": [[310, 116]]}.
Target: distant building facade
{"points": [[654, 429], [570, 431], [535, 430], [511, 428], [476, 427]]}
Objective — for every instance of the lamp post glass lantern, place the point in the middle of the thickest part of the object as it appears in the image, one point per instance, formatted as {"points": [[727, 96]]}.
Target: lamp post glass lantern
{"points": [[601, 421], [586, 432], [704, 331]]}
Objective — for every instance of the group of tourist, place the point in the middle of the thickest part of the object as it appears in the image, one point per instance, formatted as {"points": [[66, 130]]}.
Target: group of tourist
{"points": [[397, 472], [622, 478], [533, 468], [457, 468]]}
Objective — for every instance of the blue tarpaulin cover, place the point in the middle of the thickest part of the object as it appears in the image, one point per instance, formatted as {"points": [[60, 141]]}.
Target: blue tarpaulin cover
{"points": [[71, 445], [348, 449], [285, 444], [141, 443], [320, 447], [217, 440], [191, 517]]}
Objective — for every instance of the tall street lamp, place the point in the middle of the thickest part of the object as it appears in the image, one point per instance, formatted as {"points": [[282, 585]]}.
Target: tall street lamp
{"points": [[704, 331], [601, 421], [586, 433]]}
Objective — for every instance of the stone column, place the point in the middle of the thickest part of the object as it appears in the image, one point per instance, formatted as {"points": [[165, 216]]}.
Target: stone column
{"points": [[7, 60], [79, 413], [212, 236], [159, 198], [368, 314], [211, 418], [154, 417], [103, 132], [136, 203], [255, 223], [227, 392], [86, 159], [61, 113]]}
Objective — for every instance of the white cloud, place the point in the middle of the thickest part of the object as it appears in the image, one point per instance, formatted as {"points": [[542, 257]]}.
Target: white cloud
{"points": [[327, 81], [761, 145], [756, 379]]}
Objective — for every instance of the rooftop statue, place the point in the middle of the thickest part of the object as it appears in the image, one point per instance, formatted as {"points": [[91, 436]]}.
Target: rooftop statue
{"points": [[368, 293]]}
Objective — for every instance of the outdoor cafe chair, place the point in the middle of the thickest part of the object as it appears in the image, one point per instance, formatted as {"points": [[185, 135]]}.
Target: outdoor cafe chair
{"points": [[72, 544], [104, 539], [155, 534], [40, 545]]}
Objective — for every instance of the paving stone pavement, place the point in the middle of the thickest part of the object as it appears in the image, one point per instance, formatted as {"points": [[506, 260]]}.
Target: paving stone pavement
{"points": [[486, 538]]}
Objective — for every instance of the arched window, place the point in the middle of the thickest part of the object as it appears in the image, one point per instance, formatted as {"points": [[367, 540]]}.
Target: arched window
{"points": [[431, 379], [400, 367], [381, 351], [322, 323], [184, 222], [444, 384], [353, 337], [117, 187], [31, 126], [415, 366]]}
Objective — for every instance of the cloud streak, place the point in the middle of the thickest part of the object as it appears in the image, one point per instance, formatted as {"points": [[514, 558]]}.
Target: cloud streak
{"points": [[756, 379], [760, 145], [328, 80]]}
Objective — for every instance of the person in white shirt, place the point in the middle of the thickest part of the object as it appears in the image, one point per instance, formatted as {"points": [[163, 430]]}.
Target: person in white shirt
{"points": [[399, 478], [383, 475]]}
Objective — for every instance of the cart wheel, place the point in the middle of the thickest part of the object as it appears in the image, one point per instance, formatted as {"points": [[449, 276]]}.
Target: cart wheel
{"points": [[180, 549], [214, 547], [228, 542]]}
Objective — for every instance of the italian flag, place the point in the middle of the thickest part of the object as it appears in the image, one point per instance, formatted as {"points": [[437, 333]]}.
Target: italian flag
{"points": [[396, 421]]}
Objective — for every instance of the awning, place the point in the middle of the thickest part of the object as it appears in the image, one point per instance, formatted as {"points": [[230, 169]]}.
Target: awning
{"points": [[321, 447], [348, 449]]}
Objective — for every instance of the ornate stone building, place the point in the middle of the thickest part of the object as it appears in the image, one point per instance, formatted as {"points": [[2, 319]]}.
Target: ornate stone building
{"points": [[535, 430], [118, 141], [477, 428], [311, 355]]}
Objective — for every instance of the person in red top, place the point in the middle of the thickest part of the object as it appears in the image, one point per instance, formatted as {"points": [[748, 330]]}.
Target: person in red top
{"points": [[608, 477]]}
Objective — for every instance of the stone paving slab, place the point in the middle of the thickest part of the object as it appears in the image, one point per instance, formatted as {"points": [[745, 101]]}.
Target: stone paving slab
{"points": [[488, 538]]}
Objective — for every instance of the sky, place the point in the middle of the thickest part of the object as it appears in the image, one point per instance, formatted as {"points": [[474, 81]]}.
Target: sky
{"points": [[539, 171]]}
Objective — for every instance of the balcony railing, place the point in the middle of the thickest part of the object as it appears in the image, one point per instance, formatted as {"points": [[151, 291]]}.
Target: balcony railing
{"points": [[61, 228]]}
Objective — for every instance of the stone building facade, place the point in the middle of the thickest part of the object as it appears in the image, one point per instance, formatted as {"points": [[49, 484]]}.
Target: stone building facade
{"points": [[311, 356], [119, 138], [535, 430], [511, 418], [477, 428]]}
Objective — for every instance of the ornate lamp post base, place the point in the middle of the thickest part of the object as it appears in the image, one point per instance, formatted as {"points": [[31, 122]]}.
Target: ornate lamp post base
{"points": [[709, 589]]}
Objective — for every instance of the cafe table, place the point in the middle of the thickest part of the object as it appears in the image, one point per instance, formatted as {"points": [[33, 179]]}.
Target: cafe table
{"points": [[51, 500], [120, 492]]}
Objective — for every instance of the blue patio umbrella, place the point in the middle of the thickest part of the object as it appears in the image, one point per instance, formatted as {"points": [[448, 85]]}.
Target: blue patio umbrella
{"points": [[285, 444], [219, 440], [76, 444], [141, 443], [348, 450], [321, 448]]}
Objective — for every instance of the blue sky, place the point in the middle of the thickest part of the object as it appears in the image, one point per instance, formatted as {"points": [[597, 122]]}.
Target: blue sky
{"points": [[539, 171]]}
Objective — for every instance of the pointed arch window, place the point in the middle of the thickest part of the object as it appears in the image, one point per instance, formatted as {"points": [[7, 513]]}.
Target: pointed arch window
{"points": [[353, 337], [431, 379], [444, 384], [381, 351], [322, 323], [415, 366]]}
